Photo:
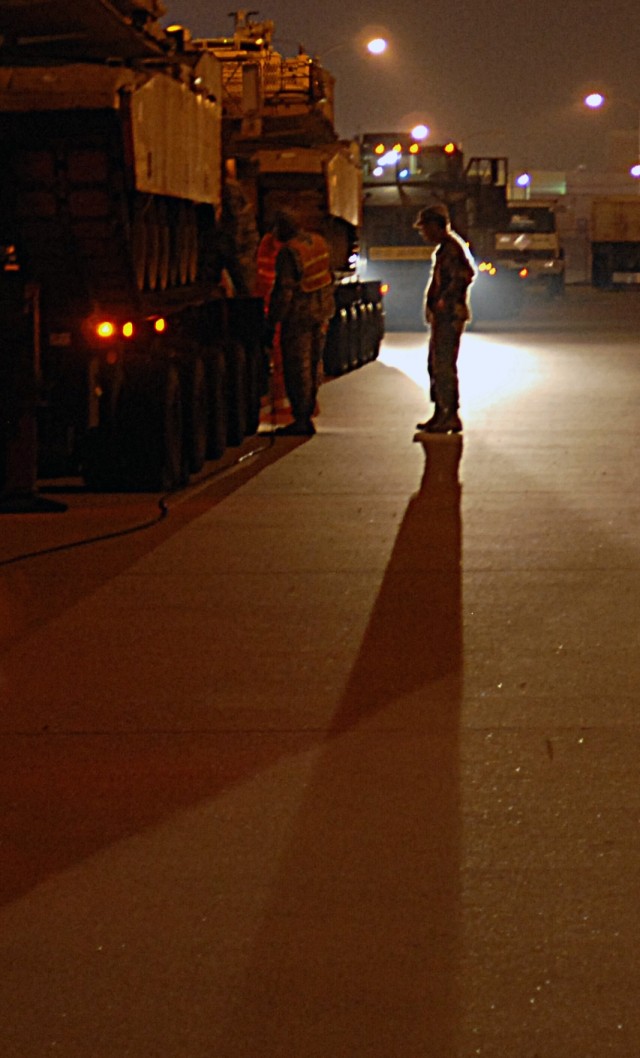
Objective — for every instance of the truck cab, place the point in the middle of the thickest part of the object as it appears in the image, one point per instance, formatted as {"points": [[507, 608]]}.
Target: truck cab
{"points": [[530, 245]]}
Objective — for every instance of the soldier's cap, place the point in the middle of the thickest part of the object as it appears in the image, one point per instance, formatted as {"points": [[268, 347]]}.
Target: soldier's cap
{"points": [[438, 211]]}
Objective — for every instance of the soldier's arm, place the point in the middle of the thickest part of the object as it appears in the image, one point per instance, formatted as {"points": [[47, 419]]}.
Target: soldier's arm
{"points": [[457, 274]]}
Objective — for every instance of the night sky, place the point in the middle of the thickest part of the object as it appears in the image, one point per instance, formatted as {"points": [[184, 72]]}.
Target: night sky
{"points": [[498, 77]]}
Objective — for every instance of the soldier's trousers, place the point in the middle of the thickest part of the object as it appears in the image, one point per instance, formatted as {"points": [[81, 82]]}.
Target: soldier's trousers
{"points": [[302, 349], [444, 346]]}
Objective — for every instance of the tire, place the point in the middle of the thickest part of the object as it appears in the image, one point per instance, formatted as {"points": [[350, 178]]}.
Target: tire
{"points": [[139, 245], [217, 403], [151, 429], [152, 255], [196, 414], [236, 394], [354, 337], [192, 246], [254, 388], [337, 346], [182, 246], [164, 248]]}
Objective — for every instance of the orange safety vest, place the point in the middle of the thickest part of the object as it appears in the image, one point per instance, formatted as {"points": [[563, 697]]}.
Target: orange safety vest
{"points": [[312, 253], [268, 250]]}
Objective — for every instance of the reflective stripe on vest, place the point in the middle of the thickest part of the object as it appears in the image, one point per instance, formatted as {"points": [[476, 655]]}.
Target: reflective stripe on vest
{"points": [[312, 252], [268, 250]]}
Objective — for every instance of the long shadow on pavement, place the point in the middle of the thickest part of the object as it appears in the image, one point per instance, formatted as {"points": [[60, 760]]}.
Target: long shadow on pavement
{"points": [[358, 948]]}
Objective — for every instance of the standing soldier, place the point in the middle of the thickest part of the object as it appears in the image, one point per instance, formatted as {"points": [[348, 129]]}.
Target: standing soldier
{"points": [[446, 311], [302, 301], [277, 404]]}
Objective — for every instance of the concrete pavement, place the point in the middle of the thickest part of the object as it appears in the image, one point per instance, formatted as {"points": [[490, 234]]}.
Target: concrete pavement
{"points": [[343, 761]]}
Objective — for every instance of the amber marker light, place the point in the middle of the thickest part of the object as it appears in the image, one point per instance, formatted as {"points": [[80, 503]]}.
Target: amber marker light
{"points": [[449, 148], [160, 325], [127, 330], [105, 329]]}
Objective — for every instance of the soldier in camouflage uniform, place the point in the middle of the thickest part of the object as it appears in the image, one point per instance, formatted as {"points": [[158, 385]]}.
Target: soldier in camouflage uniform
{"points": [[446, 311]]}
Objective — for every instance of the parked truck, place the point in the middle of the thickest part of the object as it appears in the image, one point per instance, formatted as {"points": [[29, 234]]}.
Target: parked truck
{"points": [[119, 207], [529, 244], [615, 241]]}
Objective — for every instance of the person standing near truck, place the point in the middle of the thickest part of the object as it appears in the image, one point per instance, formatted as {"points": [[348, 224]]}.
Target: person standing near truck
{"points": [[447, 310], [302, 301]]}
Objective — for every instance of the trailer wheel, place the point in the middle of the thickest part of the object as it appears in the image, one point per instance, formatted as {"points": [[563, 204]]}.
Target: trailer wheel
{"points": [[217, 402], [354, 337], [236, 394], [152, 254], [336, 355], [255, 373], [139, 245], [164, 247], [181, 249], [192, 246], [151, 415], [196, 410]]}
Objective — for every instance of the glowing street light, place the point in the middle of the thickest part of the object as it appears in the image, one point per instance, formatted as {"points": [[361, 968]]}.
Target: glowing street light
{"points": [[596, 100], [523, 180], [419, 132], [377, 46]]}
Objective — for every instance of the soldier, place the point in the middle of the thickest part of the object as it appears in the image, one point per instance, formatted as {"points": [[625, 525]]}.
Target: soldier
{"points": [[446, 311], [277, 404], [302, 301]]}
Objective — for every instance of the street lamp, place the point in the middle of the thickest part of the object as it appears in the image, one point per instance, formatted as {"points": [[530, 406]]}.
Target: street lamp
{"points": [[524, 181], [596, 100], [375, 46]]}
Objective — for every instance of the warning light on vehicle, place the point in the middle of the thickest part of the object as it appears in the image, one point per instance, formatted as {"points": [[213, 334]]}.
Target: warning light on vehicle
{"points": [[384, 288], [127, 330], [105, 329], [379, 148], [160, 325], [523, 273], [449, 148]]}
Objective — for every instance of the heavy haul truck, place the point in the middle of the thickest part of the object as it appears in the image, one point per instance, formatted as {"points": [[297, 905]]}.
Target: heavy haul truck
{"points": [[127, 186]]}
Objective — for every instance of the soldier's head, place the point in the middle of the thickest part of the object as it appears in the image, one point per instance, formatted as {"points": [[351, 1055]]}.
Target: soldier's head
{"points": [[285, 226], [433, 222]]}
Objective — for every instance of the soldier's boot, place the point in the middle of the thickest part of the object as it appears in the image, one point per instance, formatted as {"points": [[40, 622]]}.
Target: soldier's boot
{"points": [[445, 421], [435, 418]]}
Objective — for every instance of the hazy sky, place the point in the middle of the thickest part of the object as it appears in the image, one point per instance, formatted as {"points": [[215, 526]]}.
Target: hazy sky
{"points": [[499, 77]]}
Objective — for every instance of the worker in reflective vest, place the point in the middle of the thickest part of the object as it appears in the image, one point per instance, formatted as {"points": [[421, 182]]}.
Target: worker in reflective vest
{"points": [[275, 406], [302, 301]]}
